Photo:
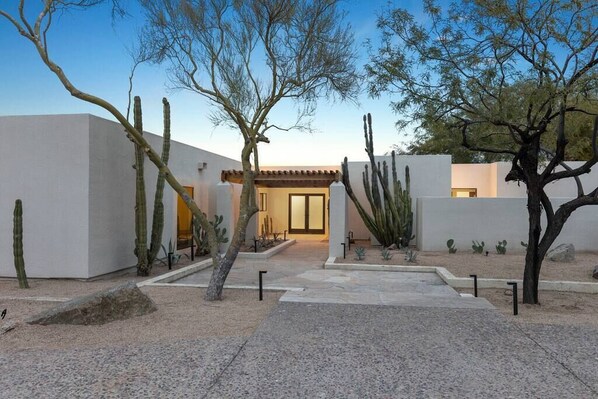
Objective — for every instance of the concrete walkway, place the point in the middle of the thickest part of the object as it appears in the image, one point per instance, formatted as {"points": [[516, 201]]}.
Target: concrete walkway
{"points": [[299, 269]]}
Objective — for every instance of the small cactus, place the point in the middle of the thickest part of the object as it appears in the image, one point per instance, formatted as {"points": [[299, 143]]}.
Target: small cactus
{"points": [[477, 247], [410, 256], [451, 246], [386, 254], [17, 236], [501, 247], [360, 252]]}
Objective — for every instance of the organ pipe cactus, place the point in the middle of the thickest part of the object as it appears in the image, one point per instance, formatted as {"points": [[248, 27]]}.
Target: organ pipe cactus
{"points": [[158, 216], [17, 236], [143, 266], [145, 256], [391, 220]]}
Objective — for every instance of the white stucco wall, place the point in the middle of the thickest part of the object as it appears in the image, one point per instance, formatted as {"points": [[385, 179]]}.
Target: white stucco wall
{"points": [[74, 174], [474, 175], [44, 161], [494, 219], [430, 177], [112, 191], [489, 179]]}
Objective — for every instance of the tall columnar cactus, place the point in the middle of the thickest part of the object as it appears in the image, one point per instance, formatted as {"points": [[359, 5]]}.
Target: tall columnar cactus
{"points": [[158, 216], [143, 266], [17, 237], [391, 221]]}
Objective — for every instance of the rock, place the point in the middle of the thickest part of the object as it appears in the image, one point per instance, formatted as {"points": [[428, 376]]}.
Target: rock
{"points": [[595, 273], [6, 327], [562, 253], [117, 303], [392, 247]]}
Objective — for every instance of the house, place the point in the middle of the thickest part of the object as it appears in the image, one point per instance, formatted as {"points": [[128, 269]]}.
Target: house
{"points": [[74, 174]]}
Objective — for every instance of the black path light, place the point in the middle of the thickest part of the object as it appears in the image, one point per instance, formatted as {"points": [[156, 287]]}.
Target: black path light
{"points": [[261, 283], [515, 309], [475, 284], [344, 250]]}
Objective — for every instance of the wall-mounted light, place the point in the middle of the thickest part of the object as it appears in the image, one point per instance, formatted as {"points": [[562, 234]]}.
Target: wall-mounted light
{"points": [[201, 166]]}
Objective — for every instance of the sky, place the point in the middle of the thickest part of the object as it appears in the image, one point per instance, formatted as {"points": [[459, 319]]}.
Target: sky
{"points": [[93, 51]]}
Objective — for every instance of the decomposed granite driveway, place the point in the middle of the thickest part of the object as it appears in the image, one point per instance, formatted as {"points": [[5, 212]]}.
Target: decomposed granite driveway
{"points": [[310, 350], [346, 335]]}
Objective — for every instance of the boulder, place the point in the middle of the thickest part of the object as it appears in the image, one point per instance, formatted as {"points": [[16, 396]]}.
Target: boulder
{"points": [[595, 273], [117, 303], [392, 247], [6, 327], [562, 253]]}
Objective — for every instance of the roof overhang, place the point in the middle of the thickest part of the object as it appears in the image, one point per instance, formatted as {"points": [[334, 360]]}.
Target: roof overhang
{"points": [[286, 178]]}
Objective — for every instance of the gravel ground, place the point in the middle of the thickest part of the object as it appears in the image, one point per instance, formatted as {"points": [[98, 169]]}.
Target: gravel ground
{"points": [[182, 314], [556, 308], [464, 262]]}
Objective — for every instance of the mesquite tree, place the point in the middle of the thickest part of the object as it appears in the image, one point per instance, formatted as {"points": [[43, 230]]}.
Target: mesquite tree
{"points": [[245, 58], [519, 69]]}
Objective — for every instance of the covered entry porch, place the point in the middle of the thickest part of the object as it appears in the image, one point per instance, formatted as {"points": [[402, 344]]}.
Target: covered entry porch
{"points": [[299, 204]]}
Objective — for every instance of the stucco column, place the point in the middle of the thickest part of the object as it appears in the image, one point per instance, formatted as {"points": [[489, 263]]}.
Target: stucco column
{"points": [[251, 230], [224, 207], [338, 219]]}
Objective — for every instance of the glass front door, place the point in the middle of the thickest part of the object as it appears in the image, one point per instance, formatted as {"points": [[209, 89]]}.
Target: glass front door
{"points": [[306, 213]]}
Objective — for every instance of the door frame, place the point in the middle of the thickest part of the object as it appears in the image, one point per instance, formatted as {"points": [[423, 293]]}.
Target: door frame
{"points": [[307, 230]]}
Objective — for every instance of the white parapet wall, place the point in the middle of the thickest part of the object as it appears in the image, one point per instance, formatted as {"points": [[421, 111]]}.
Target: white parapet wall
{"points": [[494, 219], [430, 177], [74, 175]]}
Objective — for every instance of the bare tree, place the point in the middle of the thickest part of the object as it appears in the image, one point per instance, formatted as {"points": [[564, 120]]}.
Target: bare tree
{"points": [[515, 69], [244, 57]]}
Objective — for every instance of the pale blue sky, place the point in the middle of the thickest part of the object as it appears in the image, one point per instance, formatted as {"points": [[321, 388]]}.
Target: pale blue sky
{"points": [[93, 53]]}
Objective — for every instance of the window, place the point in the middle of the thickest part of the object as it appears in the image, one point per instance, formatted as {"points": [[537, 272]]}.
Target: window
{"points": [[464, 192], [263, 201]]}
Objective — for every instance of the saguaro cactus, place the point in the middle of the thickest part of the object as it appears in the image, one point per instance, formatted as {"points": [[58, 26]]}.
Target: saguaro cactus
{"points": [[143, 266], [391, 221], [158, 216], [17, 236]]}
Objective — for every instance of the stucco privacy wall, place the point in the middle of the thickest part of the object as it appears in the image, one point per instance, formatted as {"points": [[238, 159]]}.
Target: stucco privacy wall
{"points": [[474, 176], [75, 176], [112, 191], [494, 219], [430, 177], [44, 160], [489, 179]]}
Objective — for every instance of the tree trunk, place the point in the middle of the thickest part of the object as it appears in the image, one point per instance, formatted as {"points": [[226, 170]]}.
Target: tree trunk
{"points": [[532, 258], [248, 208]]}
